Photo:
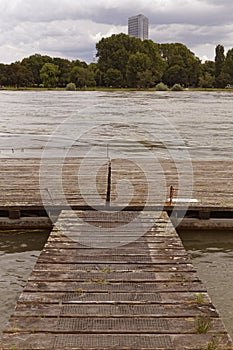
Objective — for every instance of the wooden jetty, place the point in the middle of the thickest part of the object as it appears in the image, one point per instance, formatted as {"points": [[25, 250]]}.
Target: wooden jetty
{"points": [[101, 283], [23, 197], [142, 295]]}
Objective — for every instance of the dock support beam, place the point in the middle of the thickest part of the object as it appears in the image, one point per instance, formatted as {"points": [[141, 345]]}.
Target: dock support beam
{"points": [[14, 214], [204, 215]]}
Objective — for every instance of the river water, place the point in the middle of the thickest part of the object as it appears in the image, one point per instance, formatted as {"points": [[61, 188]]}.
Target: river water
{"points": [[198, 122], [212, 255], [19, 251], [179, 125]]}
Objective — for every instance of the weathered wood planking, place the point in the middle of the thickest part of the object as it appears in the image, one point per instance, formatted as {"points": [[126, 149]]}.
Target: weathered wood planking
{"points": [[212, 183], [21, 187], [20, 184], [142, 295]]}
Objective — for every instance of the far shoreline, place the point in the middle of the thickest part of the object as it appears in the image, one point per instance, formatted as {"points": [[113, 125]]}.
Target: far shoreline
{"points": [[109, 89]]}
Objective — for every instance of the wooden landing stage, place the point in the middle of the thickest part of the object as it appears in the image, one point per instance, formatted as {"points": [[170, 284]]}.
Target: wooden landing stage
{"points": [[22, 192], [143, 295]]}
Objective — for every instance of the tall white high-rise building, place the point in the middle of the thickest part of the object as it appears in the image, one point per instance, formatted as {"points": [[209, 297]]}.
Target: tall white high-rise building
{"points": [[138, 26]]}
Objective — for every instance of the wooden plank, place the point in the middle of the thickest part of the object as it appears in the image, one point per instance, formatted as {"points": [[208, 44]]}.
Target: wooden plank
{"points": [[79, 297], [212, 182], [106, 286], [108, 259], [135, 276], [114, 252], [92, 268], [27, 191], [120, 341], [108, 325], [113, 310], [58, 239]]}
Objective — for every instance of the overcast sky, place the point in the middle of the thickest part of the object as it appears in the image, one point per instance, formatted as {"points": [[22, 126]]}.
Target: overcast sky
{"points": [[71, 28]]}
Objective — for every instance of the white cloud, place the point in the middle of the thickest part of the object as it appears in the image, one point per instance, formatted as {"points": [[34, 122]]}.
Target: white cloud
{"points": [[71, 28], [13, 53]]}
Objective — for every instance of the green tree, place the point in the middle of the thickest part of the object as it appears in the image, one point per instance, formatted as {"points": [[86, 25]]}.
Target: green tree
{"points": [[207, 74], [78, 63], [114, 52], [219, 64], [34, 64], [181, 61], [93, 67], [49, 75], [64, 66], [98, 75], [158, 65], [146, 79], [209, 67], [82, 77], [137, 66], [228, 67], [113, 77], [193, 71], [219, 59], [175, 75], [206, 80], [3, 74], [17, 75]]}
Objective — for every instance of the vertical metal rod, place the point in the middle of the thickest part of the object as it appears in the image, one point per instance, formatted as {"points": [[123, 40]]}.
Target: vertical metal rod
{"points": [[109, 180]]}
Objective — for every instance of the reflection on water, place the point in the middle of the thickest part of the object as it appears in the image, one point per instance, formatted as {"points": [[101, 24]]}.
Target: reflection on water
{"points": [[18, 253], [212, 254]]}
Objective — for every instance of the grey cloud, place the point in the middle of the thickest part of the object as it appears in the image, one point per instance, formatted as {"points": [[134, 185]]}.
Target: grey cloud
{"points": [[52, 10], [190, 34], [71, 28], [116, 12]]}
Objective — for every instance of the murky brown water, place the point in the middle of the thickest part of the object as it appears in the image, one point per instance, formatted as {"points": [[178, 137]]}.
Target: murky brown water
{"points": [[199, 122], [212, 254], [18, 253]]}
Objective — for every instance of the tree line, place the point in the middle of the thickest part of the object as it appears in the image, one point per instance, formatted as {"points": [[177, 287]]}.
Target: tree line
{"points": [[123, 61]]}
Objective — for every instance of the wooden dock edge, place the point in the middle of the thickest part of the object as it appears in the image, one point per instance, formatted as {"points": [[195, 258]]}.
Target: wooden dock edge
{"points": [[44, 222]]}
